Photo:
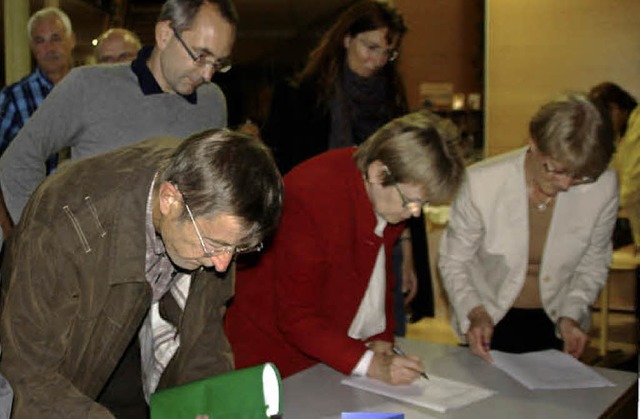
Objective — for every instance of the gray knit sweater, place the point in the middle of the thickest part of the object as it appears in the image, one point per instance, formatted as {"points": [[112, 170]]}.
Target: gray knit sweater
{"points": [[96, 109]]}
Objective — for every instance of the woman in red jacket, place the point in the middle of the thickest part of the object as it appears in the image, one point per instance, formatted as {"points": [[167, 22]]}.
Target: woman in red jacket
{"points": [[322, 292]]}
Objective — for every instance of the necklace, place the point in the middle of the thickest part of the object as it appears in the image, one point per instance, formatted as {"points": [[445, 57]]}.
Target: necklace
{"points": [[542, 206], [533, 188]]}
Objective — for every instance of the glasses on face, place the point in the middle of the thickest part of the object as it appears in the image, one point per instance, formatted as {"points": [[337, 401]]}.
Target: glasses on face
{"points": [[390, 54], [413, 205], [575, 180], [221, 65], [220, 250]]}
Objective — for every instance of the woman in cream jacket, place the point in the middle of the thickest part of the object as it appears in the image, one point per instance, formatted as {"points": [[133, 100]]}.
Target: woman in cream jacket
{"points": [[527, 248]]}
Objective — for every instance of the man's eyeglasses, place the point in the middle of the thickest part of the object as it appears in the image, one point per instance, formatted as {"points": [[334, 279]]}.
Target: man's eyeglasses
{"points": [[413, 205], [575, 180], [220, 250], [221, 65], [390, 54]]}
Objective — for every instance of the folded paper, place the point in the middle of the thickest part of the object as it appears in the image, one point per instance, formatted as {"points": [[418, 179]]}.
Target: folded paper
{"points": [[250, 393]]}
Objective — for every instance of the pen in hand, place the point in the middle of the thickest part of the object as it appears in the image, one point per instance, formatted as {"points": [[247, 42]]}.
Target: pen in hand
{"points": [[396, 350]]}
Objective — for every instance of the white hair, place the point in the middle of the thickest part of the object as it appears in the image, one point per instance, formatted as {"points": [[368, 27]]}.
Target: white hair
{"points": [[46, 12]]}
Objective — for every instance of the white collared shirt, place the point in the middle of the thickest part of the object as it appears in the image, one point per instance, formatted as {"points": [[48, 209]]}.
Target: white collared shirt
{"points": [[371, 319]]}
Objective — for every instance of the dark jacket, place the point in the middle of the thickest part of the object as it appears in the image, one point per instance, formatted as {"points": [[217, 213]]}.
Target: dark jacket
{"points": [[301, 115], [298, 124], [75, 293]]}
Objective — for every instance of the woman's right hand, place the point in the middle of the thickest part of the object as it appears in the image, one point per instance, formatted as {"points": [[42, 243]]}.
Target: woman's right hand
{"points": [[380, 346], [395, 369]]}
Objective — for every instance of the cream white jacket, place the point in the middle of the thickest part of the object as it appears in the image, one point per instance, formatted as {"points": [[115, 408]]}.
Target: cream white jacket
{"points": [[484, 251]]}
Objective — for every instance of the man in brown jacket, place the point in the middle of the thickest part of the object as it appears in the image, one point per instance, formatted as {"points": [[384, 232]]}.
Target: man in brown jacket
{"points": [[117, 276]]}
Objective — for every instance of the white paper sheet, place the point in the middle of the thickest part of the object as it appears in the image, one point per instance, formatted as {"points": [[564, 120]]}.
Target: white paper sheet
{"points": [[549, 369], [437, 393]]}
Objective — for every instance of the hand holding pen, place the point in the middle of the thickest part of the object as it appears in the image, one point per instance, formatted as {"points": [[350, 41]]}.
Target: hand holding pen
{"points": [[392, 368], [396, 350]]}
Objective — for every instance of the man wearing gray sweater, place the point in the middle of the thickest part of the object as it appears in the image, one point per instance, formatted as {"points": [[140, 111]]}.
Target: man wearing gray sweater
{"points": [[165, 91]]}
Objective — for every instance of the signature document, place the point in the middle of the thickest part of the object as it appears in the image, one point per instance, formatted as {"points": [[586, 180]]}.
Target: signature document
{"points": [[436, 393]]}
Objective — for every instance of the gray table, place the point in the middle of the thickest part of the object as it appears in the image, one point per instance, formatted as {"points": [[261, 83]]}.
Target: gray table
{"points": [[317, 393]]}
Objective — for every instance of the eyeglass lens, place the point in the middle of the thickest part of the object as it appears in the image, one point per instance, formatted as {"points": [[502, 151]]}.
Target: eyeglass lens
{"points": [[221, 65]]}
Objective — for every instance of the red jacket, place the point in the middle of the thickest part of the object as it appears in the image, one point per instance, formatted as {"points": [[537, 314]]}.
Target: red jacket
{"points": [[294, 308]]}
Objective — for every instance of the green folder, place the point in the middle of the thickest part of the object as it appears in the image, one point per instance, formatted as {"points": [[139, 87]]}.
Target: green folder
{"points": [[250, 393]]}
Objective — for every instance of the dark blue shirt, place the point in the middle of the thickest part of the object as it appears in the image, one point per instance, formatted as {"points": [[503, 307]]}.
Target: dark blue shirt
{"points": [[18, 102]]}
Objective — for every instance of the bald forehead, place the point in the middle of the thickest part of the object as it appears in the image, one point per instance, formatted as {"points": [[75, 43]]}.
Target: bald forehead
{"points": [[116, 47]]}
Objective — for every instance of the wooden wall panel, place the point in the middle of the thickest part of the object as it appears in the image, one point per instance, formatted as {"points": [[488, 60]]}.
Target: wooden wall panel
{"points": [[443, 44], [538, 49]]}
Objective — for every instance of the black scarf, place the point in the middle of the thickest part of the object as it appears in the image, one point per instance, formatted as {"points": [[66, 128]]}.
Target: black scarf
{"points": [[359, 107]]}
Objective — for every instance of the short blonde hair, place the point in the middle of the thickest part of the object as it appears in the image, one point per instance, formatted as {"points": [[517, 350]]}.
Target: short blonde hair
{"points": [[575, 131], [419, 148]]}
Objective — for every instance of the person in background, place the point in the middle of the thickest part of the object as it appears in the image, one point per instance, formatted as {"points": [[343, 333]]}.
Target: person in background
{"points": [[116, 45], [164, 91], [618, 101], [349, 87], [323, 290], [51, 40], [116, 252], [625, 114], [528, 243]]}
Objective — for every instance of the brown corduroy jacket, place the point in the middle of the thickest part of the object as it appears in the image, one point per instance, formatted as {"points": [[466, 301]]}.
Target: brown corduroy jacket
{"points": [[75, 292]]}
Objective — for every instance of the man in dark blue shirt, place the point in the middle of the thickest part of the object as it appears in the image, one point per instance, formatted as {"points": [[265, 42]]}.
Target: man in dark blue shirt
{"points": [[51, 40]]}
